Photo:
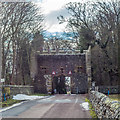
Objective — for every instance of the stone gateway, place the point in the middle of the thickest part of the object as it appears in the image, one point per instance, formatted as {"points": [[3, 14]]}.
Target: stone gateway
{"points": [[60, 73]]}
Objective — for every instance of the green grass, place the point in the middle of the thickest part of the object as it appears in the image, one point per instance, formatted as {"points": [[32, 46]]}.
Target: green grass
{"points": [[0, 104], [114, 97], [10, 102], [38, 94], [92, 112]]}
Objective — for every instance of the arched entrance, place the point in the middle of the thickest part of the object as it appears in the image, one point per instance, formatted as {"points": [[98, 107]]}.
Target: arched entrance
{"points": [[58, 84]]}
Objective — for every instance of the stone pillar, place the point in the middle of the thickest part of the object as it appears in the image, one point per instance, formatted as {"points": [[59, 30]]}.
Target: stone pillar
{"points": [[88, 66], [33, 66], [48, 83]]}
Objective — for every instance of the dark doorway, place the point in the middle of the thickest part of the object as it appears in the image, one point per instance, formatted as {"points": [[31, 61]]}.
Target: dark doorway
{"points": [[59, 86]]}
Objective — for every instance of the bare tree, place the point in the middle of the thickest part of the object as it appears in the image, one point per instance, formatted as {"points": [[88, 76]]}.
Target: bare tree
{"points": [[19, 23], [97, 23]]}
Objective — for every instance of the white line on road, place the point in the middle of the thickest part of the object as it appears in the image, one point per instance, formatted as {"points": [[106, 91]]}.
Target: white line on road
{"points": [[11, 106], [50, 97], [17, 104], [46, 99], [76, 100], [62, 101], [73, 94]]}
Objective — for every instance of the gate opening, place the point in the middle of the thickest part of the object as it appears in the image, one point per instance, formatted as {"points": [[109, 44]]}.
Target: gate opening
{"points": [[61, 84]]}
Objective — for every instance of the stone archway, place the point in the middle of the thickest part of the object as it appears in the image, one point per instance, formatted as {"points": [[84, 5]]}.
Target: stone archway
{"points": [[59, 84]]}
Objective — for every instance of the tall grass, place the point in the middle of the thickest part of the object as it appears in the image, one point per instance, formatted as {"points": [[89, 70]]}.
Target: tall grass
{"points": [[92, 112]]}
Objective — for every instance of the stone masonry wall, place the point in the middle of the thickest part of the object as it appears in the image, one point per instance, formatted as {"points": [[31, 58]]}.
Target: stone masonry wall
{"points": [[17, 89], [104, 106], [60, 65]]}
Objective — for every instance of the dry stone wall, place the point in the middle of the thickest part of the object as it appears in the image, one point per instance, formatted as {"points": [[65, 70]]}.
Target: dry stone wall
{"points": [[112, 89], [104, 106], [17, 89]]}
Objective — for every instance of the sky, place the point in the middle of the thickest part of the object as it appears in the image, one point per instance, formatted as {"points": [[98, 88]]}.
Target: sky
{"points": [[54, 8], [51, 10]]}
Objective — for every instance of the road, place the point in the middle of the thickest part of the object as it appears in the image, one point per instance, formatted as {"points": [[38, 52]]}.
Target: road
{"points": [[58, 106]]}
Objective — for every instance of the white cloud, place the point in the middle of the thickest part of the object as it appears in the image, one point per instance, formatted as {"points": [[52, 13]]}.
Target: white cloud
{"points": [[54, 8], [53, 5], [52, 23], [56, 28], [51, 10]]}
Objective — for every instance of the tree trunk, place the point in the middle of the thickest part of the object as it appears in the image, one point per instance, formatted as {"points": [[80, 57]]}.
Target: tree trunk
{"points": [[3, 59], [0, 59], [13, 67], [119, 54]]}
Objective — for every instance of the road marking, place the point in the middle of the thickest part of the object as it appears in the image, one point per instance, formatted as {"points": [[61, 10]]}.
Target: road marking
{"points": [[73, 94], [17, 104], [46, 99], [63, 101], [76, 100], [50, 97]]}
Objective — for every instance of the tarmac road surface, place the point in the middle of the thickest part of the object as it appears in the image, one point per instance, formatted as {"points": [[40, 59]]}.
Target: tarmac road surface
{"points": [[57, 106]]}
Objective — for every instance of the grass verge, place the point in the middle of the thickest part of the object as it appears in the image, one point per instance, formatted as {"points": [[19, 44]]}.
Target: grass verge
{"points": [[92, 112], [10, 102], [114, 97], [38, 94]]}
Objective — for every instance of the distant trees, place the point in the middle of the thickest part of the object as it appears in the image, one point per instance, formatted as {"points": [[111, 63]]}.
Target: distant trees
{"points": [[58, 43], [20, 22], [97, 24]]}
